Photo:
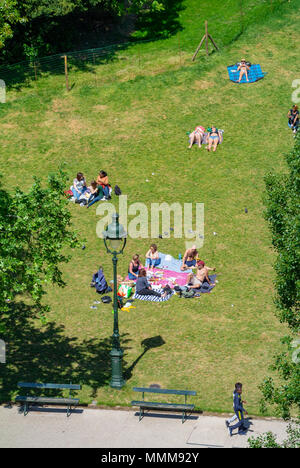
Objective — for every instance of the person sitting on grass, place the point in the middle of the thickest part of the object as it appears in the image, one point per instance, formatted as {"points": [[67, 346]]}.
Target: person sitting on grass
{"points": [[152, 257], [293, 117], [189, 258], [196, 136], [79, 186], [214, 137], [102, 180], [243, 68], [96, 196], [143, 288], [134, 266], [89, 194], [195, 281]]}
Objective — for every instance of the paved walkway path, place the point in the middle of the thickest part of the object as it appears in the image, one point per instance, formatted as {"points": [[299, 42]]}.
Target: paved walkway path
{"points": [[100, 428]]}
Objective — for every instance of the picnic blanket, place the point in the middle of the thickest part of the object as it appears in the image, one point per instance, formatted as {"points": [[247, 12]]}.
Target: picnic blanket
{"points": [[154, 298], [254, 74], [159, 277], [170, 263]]}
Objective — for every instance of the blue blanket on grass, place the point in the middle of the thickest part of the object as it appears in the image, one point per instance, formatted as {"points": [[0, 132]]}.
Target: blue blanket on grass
{"points": [[172, 265], [206, 288], [254, 74]]}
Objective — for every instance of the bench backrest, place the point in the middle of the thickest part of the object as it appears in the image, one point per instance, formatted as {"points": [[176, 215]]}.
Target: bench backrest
{"points": [[165, 391], [49, 385]]}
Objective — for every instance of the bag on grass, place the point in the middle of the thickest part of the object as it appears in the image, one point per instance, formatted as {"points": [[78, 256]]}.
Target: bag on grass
{"points": [[117, 190], [188, 294], [125, 291]]}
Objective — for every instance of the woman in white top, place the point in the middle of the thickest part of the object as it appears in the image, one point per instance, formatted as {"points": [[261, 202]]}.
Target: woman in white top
{"points": [[152, 257], [79, 186]]}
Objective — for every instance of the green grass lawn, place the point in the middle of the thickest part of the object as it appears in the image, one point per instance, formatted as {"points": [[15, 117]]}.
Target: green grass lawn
{"points": [[130, 118]]}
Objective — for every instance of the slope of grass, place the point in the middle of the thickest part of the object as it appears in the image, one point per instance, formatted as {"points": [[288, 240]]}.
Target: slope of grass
{"points": [[130, 118]]}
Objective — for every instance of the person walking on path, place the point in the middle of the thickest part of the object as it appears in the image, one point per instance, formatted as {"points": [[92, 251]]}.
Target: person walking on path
{"points": [[238, 410]]}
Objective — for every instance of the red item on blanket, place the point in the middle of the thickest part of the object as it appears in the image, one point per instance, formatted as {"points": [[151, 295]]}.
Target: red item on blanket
{"points": [[68, 193]]}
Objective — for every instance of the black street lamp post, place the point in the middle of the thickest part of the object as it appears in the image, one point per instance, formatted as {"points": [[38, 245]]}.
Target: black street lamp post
{"points": [[115, 240]]}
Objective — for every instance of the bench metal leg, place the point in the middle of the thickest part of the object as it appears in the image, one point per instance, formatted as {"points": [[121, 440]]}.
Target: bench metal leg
{"points": [[25, 409], [141, 413]]}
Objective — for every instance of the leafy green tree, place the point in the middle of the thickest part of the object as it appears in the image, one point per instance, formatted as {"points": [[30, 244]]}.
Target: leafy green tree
{"points": [[35, 234], [283, 215], [9, 16], [268, 440]]}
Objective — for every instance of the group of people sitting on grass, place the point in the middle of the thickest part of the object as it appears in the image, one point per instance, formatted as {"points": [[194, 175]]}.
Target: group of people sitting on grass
{"points": [[137, 272], [98, 189], [213, 138], [191, 260]]}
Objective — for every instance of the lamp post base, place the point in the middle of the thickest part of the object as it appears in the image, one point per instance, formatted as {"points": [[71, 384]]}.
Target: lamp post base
{"points": [[117, 380]]}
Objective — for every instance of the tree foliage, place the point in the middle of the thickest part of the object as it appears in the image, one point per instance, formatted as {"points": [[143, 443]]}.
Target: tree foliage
{"points": [[9, 16], [35, 231], [37, 27], [268, 440], [283, 215]]}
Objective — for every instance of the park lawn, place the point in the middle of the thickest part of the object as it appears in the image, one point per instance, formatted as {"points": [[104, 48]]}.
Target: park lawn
{"points": [[130, 118]]}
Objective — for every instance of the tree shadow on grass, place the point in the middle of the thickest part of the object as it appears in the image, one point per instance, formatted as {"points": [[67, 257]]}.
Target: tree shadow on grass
{"points": [[45, 354], [161, 24], [148, 25]]}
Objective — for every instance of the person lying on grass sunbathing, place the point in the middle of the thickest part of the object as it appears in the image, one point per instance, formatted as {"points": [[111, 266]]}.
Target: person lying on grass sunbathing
{"points": [[152, 257], [196, 136], [143, 288], [189, 258], [196, 280], [214, 137], [243, 68]]}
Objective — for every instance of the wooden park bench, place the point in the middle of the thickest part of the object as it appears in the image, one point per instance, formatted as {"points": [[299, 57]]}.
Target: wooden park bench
{"points": [[29, 400], [184, 407]]}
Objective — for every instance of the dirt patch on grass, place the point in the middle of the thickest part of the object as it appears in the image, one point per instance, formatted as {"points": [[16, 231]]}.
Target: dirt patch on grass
{"points": [[202, 84], [59, 105], [100, 108]]}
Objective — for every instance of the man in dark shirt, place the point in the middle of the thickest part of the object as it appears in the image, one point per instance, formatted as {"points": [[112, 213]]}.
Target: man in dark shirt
{"points": [[238, 409], [293, 117]]}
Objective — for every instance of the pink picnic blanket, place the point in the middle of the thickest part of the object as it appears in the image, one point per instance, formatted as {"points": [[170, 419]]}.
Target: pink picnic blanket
{"points": [[164, 277]]}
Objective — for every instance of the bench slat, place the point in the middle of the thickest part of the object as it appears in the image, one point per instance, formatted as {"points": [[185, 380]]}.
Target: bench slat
{"points": [[49, 385], [153, 404], [165, 391], [66, 401]]}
